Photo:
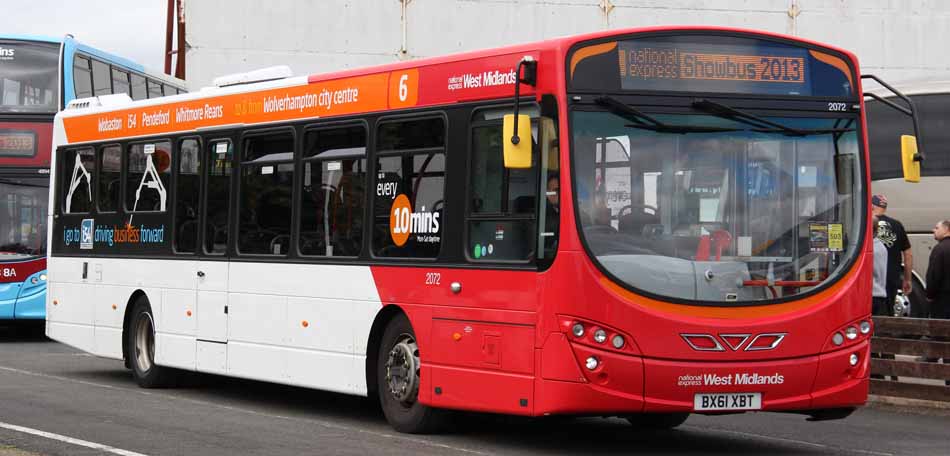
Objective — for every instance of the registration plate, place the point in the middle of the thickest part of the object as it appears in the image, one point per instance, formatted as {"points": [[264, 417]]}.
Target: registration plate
{"points": [[727, 401]]}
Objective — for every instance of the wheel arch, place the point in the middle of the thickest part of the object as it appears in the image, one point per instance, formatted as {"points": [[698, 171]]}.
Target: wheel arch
{"points": [[383, 317], [126, 320]]}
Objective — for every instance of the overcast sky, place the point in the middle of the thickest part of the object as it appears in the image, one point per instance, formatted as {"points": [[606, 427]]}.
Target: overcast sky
{"points": [[134, 29]]}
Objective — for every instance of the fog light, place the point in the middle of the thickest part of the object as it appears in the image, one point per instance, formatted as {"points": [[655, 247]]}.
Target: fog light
{"points": [[577, 330], [617, 341], [854, 359], [592, 363], [43, 277], [600, 336], [851, 333], [865, 327], [838, 339]]}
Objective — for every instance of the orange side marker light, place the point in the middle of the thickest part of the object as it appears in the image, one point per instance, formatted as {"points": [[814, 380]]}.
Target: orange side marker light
{"points": [[305, 323], [456, 337]]}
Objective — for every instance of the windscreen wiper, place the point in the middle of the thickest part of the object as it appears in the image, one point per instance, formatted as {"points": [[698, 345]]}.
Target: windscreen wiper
{"points": [[646, 122], [761, 125]]}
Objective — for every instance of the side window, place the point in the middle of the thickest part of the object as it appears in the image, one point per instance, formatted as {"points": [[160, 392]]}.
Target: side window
{"points": [[82, 77], [217, 196], [334, 179], [101, 78], [147, 168], [110, 180], [154, 89], [503, 202], [120, 81], [266, 194], [410, 180], [138, 87], [188, 188], [79, 170]]}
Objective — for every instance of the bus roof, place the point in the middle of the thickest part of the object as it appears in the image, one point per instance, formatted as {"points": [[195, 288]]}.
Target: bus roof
{"points": [[436, 72]]}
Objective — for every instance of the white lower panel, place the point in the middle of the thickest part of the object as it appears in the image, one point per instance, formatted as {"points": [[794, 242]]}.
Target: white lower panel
{"points": [[78, 336], [108, 342], [212, 357], [340, 372], [175, 351], [257, 362]]}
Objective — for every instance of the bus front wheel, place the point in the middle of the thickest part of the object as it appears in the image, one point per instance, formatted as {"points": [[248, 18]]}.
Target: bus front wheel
{"points": [[140, 340], [398, 379]]}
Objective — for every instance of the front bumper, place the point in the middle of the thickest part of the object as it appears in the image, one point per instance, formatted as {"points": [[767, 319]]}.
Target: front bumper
{"points": [[623, 384]]}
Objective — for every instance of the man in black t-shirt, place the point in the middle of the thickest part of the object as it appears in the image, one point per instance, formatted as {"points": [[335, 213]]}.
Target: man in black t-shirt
{"points": [[891, 233]]}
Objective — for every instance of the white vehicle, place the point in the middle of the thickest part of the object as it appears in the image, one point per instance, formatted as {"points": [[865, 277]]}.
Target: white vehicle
{"points": [[917, 205]]}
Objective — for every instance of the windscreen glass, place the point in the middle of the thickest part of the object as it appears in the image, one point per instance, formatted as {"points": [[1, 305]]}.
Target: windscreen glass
{"points": [[704, 208], [28, 77], [23, 203]]}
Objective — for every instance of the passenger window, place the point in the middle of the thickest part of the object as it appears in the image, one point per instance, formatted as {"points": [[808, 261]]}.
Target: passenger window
{"points": [[331, 204], [154, 89], [82, 77], [79, 170], [138, 87], [218, 196], [120, 81], [410, 181], [101, 78], [188, 188], [266, 195], [110, 179], [147, 168]]}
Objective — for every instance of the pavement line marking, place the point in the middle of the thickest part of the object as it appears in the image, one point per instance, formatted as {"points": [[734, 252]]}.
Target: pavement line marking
{"points": [[321, 423], [782, 439], [70, 440]]}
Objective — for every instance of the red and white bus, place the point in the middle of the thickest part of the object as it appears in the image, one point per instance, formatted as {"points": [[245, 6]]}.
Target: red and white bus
{"points": [[686, 232]]}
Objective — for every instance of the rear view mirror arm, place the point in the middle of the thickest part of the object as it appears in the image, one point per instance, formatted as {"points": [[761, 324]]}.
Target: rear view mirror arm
{"points": [[910, 110]]}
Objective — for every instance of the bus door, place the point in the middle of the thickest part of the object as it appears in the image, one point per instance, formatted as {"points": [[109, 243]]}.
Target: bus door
{"points": [[212, 273]]}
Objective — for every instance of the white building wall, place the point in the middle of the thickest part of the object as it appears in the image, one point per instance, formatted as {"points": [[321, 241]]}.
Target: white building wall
{"points": [[896, 39]]}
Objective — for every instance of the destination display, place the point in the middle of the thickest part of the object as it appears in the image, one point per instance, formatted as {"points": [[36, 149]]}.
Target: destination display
{"points": [[17, 143], [714, 68], [710, 64]]}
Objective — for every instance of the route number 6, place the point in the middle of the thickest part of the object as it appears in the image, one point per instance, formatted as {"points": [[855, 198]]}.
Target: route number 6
{"points": [[403, 88]]}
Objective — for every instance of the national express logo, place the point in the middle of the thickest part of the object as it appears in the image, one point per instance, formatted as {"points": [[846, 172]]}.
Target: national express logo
{"points": [[7, 53]]}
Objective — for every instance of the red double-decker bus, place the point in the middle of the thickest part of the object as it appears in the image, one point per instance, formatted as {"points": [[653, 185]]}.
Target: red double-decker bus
{"points": [[680, 226]]}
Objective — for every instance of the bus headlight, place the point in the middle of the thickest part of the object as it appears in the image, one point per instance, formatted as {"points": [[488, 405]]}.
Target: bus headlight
{"points": [[592, 363], [837, 339], [617, 342], [35, 280], [865, 327], [600, 336], [577, 330], [43, 277], [851, 333]]}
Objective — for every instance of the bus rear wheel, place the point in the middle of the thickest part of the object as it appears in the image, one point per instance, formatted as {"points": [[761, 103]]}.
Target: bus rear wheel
{"points": [[398, 380], [140, 341], [656, 421]]}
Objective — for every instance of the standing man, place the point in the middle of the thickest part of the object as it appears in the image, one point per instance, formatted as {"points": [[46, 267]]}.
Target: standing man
{"points": [[891, 233], [878, 289], [938, 273]]}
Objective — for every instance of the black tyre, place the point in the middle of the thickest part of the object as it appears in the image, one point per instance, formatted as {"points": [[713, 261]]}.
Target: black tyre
{"points": [[398, 379], [140, 343], [655, 421]]}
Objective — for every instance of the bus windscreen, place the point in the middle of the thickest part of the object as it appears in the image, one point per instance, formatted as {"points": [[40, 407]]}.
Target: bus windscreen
{"points": [[28, 77]]}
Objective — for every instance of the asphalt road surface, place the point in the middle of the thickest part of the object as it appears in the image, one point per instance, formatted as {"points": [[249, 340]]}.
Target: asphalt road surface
{"points": [[55, 400]]}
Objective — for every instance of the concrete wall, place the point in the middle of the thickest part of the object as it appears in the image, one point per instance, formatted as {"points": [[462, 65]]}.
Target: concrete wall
{"points": [[897, 39]]}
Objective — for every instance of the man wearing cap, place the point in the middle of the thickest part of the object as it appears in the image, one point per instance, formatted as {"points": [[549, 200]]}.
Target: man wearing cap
{"points": [[891, 233]]}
